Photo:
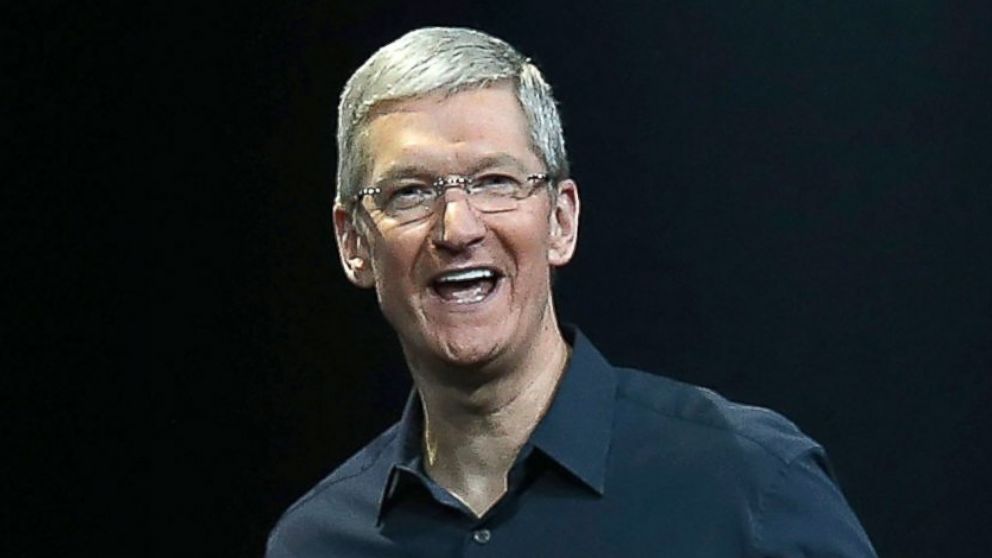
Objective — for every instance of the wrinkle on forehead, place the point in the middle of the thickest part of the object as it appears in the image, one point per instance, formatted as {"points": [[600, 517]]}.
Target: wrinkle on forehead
{"points": [[423, 168], [405, 104], [452, 134]]}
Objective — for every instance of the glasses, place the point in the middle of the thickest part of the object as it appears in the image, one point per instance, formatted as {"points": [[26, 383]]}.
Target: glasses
{"points": [[410, 199]]}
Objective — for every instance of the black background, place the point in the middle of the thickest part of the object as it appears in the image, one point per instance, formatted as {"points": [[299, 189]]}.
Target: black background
{"points": [[785, 201]]}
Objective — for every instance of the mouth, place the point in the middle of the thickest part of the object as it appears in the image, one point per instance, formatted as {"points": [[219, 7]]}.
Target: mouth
{"points": [[466, 286]]}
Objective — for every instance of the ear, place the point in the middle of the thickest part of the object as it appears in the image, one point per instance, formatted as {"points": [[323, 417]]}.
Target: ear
{"points": [[353, 248], [564, 223]]}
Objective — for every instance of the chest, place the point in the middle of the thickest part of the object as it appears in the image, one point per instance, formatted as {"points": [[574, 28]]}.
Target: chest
{"points": [[551, 517]]}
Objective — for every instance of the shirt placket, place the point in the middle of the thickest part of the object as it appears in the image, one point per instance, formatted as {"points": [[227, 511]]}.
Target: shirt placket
{"points": [[487, 536]]}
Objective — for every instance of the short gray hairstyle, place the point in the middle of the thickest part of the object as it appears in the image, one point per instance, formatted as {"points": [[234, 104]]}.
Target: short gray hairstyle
{"points": [[442, 60]]}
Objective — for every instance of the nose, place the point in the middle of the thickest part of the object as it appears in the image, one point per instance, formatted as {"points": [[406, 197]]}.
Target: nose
{"points": [[459, 226]]}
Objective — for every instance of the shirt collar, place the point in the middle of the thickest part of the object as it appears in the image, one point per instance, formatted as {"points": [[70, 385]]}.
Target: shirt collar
{"points": [[575, 432], [577, 429], [404, 452]]}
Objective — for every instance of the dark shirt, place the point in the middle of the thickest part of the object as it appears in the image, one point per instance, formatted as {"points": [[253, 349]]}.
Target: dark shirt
{"points": [[624, 463]]}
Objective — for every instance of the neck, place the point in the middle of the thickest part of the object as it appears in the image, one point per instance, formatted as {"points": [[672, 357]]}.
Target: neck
{"points": [[473, 433]]}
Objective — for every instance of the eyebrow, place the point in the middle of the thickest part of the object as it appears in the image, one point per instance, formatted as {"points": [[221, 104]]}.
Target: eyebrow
{"points": [[485, 163]]}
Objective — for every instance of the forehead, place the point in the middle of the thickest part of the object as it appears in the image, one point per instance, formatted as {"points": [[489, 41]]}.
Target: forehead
{"points": [[450, 133]]}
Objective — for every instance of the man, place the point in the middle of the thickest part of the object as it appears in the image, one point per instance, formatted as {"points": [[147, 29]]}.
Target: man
{"points": [[455, 203]]}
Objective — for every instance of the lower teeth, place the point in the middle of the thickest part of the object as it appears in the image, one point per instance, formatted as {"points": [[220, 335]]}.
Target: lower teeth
{"points": [[466, 292]]}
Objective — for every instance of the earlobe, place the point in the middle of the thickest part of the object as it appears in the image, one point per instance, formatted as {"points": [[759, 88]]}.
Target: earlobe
{"points": [[564, 225], [360, 273]]}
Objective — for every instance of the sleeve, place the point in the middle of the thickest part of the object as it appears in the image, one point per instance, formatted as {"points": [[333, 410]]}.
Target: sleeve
{"points": [[803, 514]]}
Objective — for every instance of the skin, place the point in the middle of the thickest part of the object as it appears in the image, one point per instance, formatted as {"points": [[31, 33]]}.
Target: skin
{"points": [[487, 371]]}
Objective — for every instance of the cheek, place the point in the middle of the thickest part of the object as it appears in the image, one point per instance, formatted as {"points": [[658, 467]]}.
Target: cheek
{"points": [[394, 288], [395, 263], [530, 252], [388, 271]]}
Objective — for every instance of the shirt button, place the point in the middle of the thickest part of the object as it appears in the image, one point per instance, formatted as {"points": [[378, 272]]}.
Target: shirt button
{"points": [[482, 536]]}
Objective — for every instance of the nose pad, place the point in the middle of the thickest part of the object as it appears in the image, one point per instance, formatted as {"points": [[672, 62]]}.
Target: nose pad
{"points": [[458, 224]]}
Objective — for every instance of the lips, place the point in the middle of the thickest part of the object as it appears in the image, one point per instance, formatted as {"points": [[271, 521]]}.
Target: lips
{"points": [[467, 285]]}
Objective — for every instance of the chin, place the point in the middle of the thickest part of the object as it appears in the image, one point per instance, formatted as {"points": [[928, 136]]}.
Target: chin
{"points": [[465, 351], [465, 346]]}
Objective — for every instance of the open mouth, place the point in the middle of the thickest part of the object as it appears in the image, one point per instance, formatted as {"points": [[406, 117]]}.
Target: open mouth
{"points": [[465, 286]]}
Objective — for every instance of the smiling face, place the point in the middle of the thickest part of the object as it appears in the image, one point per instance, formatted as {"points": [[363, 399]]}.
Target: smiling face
{"points": [[461, 287]]}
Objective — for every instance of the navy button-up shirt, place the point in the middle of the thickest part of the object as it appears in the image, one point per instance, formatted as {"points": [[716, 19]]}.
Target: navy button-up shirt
{"points": [[624, 463]]}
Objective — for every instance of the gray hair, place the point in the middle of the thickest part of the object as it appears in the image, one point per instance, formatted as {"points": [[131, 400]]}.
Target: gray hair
{"points": [[445, 60]]}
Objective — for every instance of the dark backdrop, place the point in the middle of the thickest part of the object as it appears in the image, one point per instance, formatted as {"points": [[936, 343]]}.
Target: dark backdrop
{"points": [[785, 201]]}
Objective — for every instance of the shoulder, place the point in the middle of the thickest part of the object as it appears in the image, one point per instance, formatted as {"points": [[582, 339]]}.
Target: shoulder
{"points": [[357, 465], [743, 468], [707, 418], [351, 489]]}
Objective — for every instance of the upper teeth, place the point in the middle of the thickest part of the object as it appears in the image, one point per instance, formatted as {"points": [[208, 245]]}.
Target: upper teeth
{"points": [[467, 275]]}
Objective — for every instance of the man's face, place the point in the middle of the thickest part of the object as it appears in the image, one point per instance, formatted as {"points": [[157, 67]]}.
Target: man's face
{"points": [[460, 323]]}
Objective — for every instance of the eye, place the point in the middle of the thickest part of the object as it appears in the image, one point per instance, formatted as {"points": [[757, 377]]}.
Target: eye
{"points": [[407, 196], [495, 185]]}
